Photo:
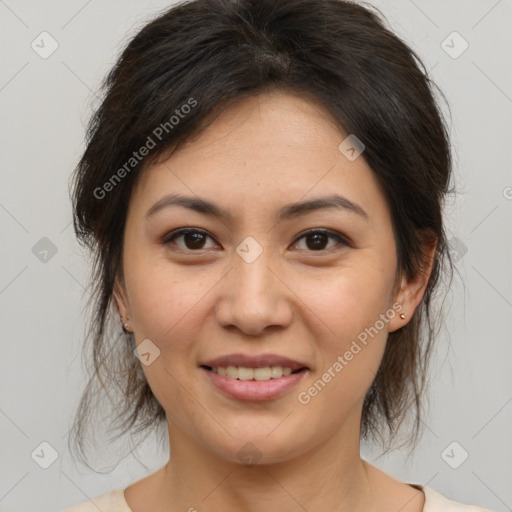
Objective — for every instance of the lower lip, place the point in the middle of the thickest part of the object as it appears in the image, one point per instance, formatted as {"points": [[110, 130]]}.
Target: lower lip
{"points": [[254, 390]]}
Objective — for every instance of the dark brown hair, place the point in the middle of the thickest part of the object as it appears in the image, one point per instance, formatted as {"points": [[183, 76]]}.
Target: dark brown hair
{"points": [[208, 54]]}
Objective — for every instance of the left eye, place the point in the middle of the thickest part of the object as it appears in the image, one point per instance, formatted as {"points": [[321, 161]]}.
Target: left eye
{"points": [[194, 239], [319, 237]]}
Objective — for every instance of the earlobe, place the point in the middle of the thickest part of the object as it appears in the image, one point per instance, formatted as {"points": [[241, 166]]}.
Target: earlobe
{"points": [[411, 291]]}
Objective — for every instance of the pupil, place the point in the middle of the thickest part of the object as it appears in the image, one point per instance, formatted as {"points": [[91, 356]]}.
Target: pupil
{"points": [[318, 239], [196, 240]]}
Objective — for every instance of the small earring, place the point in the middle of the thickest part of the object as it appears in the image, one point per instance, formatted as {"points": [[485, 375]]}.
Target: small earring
{"points": [[126, 325], [402, 316]]}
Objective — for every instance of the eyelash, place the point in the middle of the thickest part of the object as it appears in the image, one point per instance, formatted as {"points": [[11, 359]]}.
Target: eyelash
{"points": [[170, 237]]}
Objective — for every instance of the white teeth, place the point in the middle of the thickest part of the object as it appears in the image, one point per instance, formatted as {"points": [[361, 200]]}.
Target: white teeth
{"points": [[232, 372], [276, 372], [245, 373], [260, 374]]}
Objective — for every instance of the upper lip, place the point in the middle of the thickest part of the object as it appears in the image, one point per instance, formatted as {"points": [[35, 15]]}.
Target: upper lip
{"points": [[258, 361]]}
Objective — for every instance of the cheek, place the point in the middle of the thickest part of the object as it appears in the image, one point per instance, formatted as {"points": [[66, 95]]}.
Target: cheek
{"points": [[350, 301], [351, 353], [163, 298], [350, 307], [164, 301]]}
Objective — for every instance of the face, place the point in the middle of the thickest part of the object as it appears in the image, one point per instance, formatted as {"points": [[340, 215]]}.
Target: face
{"points": [[264, 285]]}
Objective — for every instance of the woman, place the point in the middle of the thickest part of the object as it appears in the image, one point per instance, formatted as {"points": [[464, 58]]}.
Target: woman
{"points": [[262, 191]]}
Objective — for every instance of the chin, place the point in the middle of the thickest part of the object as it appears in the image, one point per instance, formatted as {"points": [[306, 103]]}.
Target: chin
{"points": [[258, 448]]}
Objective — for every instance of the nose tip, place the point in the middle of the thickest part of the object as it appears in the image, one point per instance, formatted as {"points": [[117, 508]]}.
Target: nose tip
{"points": [[252, 298]]}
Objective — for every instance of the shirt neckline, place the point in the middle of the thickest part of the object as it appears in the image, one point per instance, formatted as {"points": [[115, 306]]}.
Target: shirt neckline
{"points": [[118, 496]]}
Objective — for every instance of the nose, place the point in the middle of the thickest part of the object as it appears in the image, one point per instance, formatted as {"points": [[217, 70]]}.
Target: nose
{"points": [[254, 297]]}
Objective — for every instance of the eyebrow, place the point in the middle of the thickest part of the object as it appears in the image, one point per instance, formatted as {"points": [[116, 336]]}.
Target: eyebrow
{"points": [[288, 211]]}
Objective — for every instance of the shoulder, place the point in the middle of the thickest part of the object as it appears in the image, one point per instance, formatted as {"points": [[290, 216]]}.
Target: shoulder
{"points": [[111, 502], [436, 502]]}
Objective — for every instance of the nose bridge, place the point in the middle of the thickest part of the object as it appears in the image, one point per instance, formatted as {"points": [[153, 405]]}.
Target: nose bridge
{"points": [[251, 269], [252, 296]]}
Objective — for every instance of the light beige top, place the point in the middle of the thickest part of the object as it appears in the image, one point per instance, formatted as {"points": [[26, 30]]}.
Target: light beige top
{"points": [[114, 502]]}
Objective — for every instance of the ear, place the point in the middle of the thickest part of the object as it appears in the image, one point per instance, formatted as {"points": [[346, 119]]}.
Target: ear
{"points": [[408, 293], [120, 299]]}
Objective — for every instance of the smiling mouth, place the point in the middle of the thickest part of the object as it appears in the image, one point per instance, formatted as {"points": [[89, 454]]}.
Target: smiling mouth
{"points": [[265, 373]]}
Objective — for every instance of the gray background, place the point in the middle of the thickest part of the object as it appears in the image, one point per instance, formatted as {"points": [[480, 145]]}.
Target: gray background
{"points": [[44, 105]]}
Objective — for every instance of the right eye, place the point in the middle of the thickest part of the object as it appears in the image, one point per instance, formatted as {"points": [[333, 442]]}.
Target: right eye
{"points": [[193, 239]]}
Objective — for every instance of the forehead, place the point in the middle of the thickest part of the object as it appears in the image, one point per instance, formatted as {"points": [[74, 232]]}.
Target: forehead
{"points": [[278, 118], [266, 150]]}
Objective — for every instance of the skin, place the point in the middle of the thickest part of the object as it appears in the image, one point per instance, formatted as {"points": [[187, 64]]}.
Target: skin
{"points": [[305, 303]]}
